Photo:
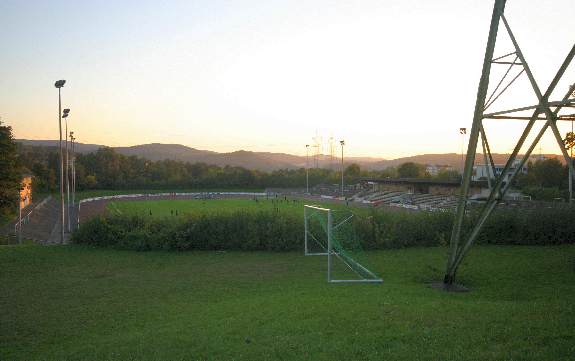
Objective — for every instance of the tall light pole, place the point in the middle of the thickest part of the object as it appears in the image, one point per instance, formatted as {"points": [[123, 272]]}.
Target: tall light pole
{"points": [[342, 142], [307, 168], [20, 215], [570, 168], [571, 156], [59, 84], [73, 165], [65, 116], [462, 131]]}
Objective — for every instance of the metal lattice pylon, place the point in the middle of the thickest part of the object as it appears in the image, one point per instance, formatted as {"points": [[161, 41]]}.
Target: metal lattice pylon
{"points": [[545, 110]]}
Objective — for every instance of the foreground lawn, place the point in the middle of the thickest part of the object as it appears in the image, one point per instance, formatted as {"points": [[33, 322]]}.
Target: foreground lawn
{"points": [[73, 302]]}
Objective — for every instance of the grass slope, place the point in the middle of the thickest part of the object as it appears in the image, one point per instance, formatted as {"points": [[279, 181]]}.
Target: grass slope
{"points": [[73, 302]]}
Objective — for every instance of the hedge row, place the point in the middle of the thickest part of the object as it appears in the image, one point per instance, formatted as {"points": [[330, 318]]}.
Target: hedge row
{"points": [[227, 231], [271, 231]]}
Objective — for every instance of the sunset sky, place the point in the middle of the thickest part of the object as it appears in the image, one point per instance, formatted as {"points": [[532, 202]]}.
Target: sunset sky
{"points": [[392, 78]]}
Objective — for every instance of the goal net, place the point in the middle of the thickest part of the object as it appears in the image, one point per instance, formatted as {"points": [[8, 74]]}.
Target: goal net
{"points": [[330, 232]]}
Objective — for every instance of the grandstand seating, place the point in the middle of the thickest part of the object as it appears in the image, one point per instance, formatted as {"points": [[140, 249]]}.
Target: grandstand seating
{"points": [[407, 200]]}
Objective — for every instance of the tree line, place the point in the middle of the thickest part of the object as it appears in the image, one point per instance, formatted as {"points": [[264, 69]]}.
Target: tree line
{"points": [[10, 173], [108, 169]]}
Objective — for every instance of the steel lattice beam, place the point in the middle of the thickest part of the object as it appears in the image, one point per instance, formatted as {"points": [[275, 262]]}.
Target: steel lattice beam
{"points": [[541, 111]]}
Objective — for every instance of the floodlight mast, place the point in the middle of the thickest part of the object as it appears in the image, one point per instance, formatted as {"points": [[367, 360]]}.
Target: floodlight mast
{"points": [[65, 116], [506, 177], [307, 168], [73, 169], [59, 84], [342, 142], [462, 131], [20, 214]]}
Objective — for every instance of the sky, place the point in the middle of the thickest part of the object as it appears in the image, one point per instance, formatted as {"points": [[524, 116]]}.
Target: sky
{"points": [[391, 77]]}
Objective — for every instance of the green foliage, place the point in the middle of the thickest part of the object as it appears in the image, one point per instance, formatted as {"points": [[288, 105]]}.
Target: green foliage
{"points": [[546, 180], [10, 173], [569, 140], [546, 194], [248, 231], [547, 226], [547, 173], [107, 169], [383, 230], [411, 170], [352, 171], [281, 229], [44, 162], [447, 174], [389, 172]]}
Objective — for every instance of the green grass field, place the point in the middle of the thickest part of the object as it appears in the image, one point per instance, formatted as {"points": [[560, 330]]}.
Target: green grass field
{"points": [[167, 208], [79, 303]]}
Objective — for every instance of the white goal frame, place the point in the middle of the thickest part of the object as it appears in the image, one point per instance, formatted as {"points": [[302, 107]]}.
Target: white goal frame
{"points": [[330, 252]]}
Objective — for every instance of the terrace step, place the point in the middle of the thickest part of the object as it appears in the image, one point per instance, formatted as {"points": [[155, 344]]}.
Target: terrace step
{"points": [[43, 223]]}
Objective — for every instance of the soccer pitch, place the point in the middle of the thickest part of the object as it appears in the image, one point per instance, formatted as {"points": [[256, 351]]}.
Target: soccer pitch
{"points": [[182, 207]]}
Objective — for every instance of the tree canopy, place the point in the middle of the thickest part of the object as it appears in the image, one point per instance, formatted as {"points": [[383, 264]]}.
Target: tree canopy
{"points": [[411, 170], [107, 169], [10, 173]]}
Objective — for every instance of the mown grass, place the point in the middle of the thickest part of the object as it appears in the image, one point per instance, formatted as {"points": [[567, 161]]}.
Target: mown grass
{"points": [[76, 302], [168, 208]]}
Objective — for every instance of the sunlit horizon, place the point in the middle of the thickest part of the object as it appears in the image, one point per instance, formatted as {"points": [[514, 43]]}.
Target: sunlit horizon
{"points": [[394, 78]]}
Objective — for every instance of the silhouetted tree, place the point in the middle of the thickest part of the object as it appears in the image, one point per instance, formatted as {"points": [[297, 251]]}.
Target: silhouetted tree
{"points": [[411, 170], [10, 172], [353, 170]]}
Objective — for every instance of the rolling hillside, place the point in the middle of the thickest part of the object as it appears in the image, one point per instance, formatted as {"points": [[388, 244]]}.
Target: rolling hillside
{"points": [[265, 161]]}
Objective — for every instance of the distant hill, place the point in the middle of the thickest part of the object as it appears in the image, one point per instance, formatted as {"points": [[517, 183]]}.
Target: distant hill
{"points": [[158, 151], [80, 147], [452, 159], [241, 158], [265, 161]]}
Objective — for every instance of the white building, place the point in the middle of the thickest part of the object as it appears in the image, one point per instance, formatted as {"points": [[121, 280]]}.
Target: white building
{"points": [[482, 171], [434, 169]]}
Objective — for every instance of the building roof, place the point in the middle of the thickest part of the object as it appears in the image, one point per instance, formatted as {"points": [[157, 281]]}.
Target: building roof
{"points": [[423, 181]]}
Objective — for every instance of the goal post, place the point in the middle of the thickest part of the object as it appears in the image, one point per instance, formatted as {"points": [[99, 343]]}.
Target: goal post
{"points": [[314, 246], [330, 233]]}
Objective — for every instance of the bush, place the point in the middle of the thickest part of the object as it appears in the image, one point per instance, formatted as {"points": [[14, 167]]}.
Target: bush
{"points": [[272, 231], [544, 226], [247, 231]]}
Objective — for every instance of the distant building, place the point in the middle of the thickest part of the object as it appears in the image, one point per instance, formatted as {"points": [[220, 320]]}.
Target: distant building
{"points": [[482, 171], [539, 157], [434, 169], [26, 191]]}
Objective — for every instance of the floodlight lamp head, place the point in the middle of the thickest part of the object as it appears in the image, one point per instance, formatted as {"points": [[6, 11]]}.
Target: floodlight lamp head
{"points": [[59, 83], [462, 130], [66, 111], [65, 115], [342, 142]]}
